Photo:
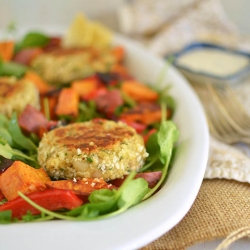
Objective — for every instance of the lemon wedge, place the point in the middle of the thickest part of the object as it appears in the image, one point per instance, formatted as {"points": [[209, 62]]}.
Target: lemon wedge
{"points": [[84, 33]]}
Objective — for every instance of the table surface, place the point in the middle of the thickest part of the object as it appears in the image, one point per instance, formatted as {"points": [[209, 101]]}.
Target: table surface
{"points": [[242, 244]]}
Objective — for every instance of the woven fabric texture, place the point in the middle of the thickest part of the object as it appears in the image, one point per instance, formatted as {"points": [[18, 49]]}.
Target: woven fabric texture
{"points": [[221, 207]]}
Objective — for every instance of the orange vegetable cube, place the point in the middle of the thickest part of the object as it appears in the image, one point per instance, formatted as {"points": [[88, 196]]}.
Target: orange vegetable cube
{"points": [[85, 87], [82, 187], [138, 91], [120, 70], [145, 113], [41, 85], [6, 50], [68, 102], [119, 53], [22, 177]]}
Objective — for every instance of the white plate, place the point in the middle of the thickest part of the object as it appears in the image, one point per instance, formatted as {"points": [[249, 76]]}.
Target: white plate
{"points": [[149, 220]]}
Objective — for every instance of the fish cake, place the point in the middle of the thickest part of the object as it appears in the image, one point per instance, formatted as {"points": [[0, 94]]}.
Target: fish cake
{"points": [[94, 149], [16, 94]]}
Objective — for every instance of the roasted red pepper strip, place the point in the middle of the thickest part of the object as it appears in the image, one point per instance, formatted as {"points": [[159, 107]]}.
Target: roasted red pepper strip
{"points": [[139, 127], [51, 199]]}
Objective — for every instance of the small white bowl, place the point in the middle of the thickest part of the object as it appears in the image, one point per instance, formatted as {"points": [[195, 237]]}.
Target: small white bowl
{"points": [[209, 63]]}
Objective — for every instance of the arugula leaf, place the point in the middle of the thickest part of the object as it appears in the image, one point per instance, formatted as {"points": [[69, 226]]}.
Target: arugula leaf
{"points": [[6, 150], [105, 203], [28, 217], [152, 146], [18, 137], [131, 195], [3, 121], [10, 153], [153, 149], [4, 133], [87, 111], [113, 202], [101, 202], [5, 217], [169, 100], [12, 139], [12, 69], [166, 137], [34, 39]]}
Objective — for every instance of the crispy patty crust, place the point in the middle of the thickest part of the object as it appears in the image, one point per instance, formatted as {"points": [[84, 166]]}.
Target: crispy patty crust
{"points": [[64, 65], [15, 95], [95, 149]]}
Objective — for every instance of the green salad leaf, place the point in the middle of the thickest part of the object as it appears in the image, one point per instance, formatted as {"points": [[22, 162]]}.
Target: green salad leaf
{"points": [[165, 138], [5, 217], [34, 39], [5, 134], [18, 137], [14, 144], [3, 120], [12, 69]]}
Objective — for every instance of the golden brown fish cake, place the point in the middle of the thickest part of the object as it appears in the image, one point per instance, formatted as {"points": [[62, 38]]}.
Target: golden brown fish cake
{"points": [[15, 95], [64, 65], [95, 149]]}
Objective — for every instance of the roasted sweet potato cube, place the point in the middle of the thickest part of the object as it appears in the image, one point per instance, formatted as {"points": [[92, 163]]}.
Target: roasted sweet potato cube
{"points": [[81, 187], [68, 102], [41, 85], [85, 86], [22, 177], [138, 91]]}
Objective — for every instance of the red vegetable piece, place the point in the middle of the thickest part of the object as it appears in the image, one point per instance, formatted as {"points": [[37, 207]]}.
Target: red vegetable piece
{"points": [[107, 103], [151, 177], [54, 43], [31, 120], [51, 199], [139, 127], [95, 93], [25, 56]]}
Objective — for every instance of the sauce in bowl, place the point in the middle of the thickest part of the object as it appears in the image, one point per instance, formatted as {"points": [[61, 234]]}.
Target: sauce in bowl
{"points": [[213, 61]]}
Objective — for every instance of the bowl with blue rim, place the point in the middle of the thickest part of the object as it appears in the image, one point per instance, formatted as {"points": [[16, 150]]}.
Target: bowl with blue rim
{"points": [[211, 63]]}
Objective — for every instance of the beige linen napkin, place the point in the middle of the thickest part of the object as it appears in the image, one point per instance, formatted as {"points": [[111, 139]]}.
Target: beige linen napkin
{"points": [[165, 27]]}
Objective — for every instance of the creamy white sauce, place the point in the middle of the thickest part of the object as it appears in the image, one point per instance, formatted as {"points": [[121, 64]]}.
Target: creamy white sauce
{"points": [[213, 61]]}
